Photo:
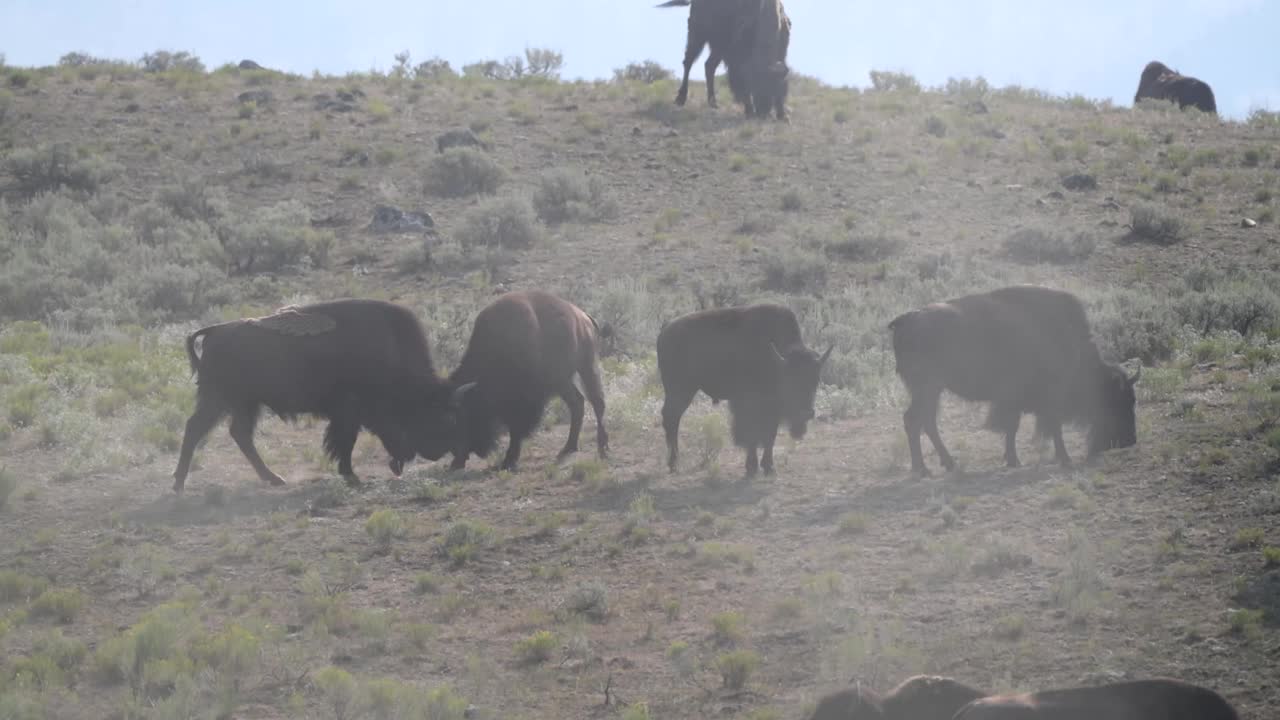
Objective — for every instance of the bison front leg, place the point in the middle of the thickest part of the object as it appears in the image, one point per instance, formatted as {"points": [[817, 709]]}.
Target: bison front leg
{"points": [[692, 49], [753, 463], [712, 64], [340, 441], [243, 422], [766, 462]]}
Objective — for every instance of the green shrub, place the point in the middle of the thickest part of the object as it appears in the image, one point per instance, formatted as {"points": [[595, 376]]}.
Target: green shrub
{"points": [[339, 690], [464, 538], [647, 72], [794, 271], [58, 604], [727, 627], [564, 194], [384, 526], [865, 248], [1158, 226], [165, 61], [885, 81], [543, 63], [737, 667], [462, 171], [506, 223], [1031, 245], [274, 238], [47, 168], [537, 648], [18, 587]]}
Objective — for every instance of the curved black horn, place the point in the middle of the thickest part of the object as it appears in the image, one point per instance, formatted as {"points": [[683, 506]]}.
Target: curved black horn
{"points": [[780, 356], [460, 392]]}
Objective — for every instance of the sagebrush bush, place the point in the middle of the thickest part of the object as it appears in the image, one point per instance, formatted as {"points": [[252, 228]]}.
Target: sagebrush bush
{"points": [[1135, 324], [274, 238], [61, 605], [886, 81], [865, 248], [1154, 225], [165, 61], [737, 667], [508, 223], [1245, 307], [462, 171], [1033, 245], [565, 194], [537, 648], [794, 271], [46, 168], [646, 72], [384, 526]]}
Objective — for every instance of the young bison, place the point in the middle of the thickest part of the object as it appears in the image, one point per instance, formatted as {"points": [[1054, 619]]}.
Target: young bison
{"points": [[751, 356]]}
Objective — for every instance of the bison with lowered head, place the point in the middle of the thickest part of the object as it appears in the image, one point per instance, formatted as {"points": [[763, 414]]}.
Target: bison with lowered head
{"points": [[1157, 699], [922, 697], [362, 364], [751, 356], [1024, 349], [1160, 83], [525, 347], [752, 38]]}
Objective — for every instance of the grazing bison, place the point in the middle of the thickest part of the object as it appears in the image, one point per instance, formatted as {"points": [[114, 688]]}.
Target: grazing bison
{"points": [[1160, 83], [358, 363], [751, 356], [922, 697], [1024, 349], [525, 347], [1135, 700], [752, 38]]}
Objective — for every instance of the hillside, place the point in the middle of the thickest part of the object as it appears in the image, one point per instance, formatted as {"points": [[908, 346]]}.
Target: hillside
{"points": [[138, 206]]}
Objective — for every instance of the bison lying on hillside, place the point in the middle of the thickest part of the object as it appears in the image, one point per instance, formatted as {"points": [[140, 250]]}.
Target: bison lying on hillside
{"points": [[751, 356], [358, 363], [1136, 700], [1160, 83], [525, 347], [752, 38], [922, 697], [1024, 349]]}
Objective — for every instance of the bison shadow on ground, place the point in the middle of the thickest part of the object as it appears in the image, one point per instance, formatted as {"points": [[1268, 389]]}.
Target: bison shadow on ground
{"points": [[1263, 593], [218, 504], [679, 499]]}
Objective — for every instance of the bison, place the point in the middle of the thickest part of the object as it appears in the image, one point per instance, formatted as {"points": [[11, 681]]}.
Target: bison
{"points": [[752, 38], [751, 356], [525, 347], [358, 363], [1023, 349], [1160, 83], [922, 697], [1158, 699]]}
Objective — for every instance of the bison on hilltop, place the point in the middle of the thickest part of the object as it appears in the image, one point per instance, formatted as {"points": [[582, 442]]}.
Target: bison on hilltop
{"points": [[1023, 349], [525, 347], [752, 38], [358, 363], [1160, 83], [922, 697], [1157, 699], [751, 356]]}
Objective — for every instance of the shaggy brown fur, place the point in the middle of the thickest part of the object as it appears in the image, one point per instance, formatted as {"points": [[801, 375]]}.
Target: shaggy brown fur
{"points": [[358, 363], [1160, 83], [922, 697], [751, 356], [1024, 349], [1137, 700], [525, 347]]}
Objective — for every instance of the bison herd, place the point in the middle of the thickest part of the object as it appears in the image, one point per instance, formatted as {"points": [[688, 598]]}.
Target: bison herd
{"points": [[366, 364]]}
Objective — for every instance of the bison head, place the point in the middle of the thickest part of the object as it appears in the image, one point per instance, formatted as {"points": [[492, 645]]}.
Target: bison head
{"points": [[435, 420], [1114, 424], [799, 368]]}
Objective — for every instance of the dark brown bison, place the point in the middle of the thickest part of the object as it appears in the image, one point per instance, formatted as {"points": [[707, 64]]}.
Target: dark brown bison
{"points": [[525, 347], [358, 363], [1160, 83], [751, 356], [1024, 349], [1136, 700], [751, 37], [922, 697]]}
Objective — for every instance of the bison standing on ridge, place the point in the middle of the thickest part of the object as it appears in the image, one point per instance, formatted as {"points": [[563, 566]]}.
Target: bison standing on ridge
{"points": [[358, 363], [1160, 83], [752, 38], [1135, 700], [751, 356], [1024, 349], [525, 347], [922, 697]]}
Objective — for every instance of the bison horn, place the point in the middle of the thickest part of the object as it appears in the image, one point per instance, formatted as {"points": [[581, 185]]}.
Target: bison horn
{"points": [[458, 394], [780, 356], [823, 360]]}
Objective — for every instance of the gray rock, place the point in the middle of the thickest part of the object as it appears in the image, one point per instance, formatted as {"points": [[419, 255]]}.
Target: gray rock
{"points": [[387, 219], [250, 65], [258, 97], [461, 137]]}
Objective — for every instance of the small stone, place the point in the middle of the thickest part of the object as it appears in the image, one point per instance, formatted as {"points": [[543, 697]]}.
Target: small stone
{"points": [[1248, 222]]}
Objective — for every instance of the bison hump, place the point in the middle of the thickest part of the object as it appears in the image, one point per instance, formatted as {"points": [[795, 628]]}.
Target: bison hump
{"points": [[292, 321]]}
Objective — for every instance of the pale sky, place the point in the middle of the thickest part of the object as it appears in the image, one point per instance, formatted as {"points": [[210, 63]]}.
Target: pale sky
{"points": [[1095, 48]]}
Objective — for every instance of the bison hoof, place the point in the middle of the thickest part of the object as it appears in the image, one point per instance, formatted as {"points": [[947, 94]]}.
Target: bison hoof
{"points": [[920, 472], [274, 480], [711, 103], [352, 480], [397, 467], [680, 100]]}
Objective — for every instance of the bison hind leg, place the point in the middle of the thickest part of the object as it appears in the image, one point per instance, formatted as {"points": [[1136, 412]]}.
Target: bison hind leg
{"points": [[574, 400], [1006, 419], [243, 422], [206, 415]]}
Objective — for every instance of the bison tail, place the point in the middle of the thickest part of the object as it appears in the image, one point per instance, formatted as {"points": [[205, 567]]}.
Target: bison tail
{"points": [[192, 357]]}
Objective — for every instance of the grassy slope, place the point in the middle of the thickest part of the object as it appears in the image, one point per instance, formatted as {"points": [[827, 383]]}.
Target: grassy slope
{"points": [[867, 205]]}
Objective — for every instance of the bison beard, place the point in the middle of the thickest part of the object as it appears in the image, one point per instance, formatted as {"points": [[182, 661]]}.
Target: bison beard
{"points": [[1158, 82], [751, 356], [1024, 349], [525, 347], [362, 364], [1157, 699]]}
